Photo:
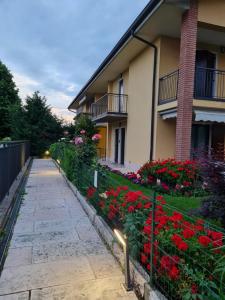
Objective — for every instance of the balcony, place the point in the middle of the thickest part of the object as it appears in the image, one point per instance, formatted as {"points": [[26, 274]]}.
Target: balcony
{"points": [[110, 107], [209, 85], [81, 111]]}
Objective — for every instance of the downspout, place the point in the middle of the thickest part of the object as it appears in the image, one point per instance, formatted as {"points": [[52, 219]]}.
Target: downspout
{"points": [[153, 92]]}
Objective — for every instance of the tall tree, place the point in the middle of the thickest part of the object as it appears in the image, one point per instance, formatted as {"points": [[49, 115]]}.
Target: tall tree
{"points": [[8, 98], [36, 123]]}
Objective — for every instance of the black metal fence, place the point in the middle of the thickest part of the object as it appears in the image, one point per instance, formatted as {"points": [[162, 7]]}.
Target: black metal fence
{"points": [[13, 156], [110, 103], [209, 85], [168, 87]]}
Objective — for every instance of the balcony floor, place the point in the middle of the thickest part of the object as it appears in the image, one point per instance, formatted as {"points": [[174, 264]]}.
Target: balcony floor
{"points": [[110, 117]]}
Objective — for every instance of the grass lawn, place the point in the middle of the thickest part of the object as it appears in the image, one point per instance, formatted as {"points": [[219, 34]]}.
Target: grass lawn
{"points": [[183, 203]]}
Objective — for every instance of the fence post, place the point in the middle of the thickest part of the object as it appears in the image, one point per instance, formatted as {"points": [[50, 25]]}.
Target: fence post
{"points": [[96, 179], [152, 240]]}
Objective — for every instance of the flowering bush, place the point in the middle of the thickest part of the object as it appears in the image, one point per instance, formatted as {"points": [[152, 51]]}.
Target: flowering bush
{"points": [[170, 175], [96, 137], [185, 251]]}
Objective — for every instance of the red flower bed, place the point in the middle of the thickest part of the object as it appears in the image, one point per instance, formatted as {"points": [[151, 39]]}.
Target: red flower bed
{"points": [[185, 250], [172, 175]]}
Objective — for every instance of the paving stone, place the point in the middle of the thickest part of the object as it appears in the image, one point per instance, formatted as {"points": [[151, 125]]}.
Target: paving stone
{"points": [[18, 256], [36, 276], [22, 227], [55, 252], [17, 296], [103, 265], [101, 289], [28, 240], [54, 225]]}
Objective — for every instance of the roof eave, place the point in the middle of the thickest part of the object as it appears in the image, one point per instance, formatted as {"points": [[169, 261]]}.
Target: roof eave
{"points": [[142, 17]]}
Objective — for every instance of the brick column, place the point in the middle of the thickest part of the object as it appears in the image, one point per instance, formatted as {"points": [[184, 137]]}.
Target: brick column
{"points": [[186, 81]]}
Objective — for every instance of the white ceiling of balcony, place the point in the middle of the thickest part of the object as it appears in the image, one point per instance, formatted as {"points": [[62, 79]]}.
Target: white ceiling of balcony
{"points": [[210, 36]]}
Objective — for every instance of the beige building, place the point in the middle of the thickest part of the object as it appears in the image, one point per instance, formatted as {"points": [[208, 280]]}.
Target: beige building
{"points": [[161, 91]]}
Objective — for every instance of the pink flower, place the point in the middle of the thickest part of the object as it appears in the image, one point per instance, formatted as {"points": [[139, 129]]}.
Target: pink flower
{"points": [[78, 140], [82, 131], [96, 137]]}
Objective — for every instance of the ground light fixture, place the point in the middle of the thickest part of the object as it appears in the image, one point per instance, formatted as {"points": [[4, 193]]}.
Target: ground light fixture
{"points": [[123, 241]]}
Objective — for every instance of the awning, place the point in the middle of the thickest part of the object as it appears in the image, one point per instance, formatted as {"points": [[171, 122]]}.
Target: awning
{"points": [[200, 115], [210, 116], [168, 114]]}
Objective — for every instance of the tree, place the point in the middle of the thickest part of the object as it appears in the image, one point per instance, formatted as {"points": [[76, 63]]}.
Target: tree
{"points": [[8, 98], [36, 123]]}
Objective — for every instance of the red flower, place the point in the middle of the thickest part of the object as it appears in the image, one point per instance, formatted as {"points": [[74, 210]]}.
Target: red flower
{"points": [[182, 246], [165, 262], [144, 258], [148, 267], [204, 240], [148, 205], [176, 217], [188, 233], [131, 209], [147, 230], [90, 192], [176, 239], [111, 215], [139, 205], [216, 235], [147, 248], [217, 244], [194, 289], [174, 272]]}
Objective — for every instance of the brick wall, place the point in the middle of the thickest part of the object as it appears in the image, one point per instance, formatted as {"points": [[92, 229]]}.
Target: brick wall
{"points": [[186, 81]]}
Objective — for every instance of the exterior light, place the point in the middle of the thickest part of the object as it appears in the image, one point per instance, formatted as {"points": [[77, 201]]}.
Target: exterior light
{"points": [[47, 152], [58, 161], [123, 241]]}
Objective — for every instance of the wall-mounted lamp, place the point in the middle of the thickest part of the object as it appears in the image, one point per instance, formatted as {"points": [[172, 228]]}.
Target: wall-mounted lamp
{"points": [[123, 241]]}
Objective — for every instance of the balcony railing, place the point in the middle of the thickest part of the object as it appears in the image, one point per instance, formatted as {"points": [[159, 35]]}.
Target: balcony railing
{"points": [[209, 85], [80, 111], [110, 106], [168, 87]]}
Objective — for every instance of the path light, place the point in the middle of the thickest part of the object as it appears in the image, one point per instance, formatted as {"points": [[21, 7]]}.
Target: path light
{"points": [[123, 241], [47, 153]]}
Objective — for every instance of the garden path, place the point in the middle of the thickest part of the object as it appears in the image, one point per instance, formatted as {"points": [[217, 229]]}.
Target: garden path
{"points": [[55, 252]]}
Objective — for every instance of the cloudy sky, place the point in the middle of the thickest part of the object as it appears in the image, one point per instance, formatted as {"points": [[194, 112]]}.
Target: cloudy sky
{"points": [[54, 46]]}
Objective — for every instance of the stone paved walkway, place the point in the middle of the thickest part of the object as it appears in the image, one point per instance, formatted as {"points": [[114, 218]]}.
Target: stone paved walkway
{"points": [[55, 252]]}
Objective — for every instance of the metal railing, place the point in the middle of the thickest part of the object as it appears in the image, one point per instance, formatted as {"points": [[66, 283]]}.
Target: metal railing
{"points": [[80, 111], [168, 87], [209, 85], [110, 103], [13, 156], [179, 253]]}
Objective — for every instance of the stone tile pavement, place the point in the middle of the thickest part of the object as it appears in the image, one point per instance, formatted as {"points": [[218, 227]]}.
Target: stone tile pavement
{"points": [[55, 252]]}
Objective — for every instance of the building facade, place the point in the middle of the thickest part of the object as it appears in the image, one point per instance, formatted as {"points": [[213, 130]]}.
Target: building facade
{"points": [[161, 91]]}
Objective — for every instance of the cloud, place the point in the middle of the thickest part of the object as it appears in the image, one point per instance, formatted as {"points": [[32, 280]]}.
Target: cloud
{"points": [[55, 46]]}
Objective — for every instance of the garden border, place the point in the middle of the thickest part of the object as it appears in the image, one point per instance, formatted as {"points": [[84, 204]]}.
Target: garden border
{"points": [[139, 276]]}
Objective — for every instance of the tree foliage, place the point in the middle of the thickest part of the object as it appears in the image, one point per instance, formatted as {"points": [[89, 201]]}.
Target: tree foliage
{"points": [[36, 123], [8, 99]]}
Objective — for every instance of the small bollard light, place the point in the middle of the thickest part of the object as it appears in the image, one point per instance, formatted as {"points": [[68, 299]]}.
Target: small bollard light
{"points": [[123, 241]]}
